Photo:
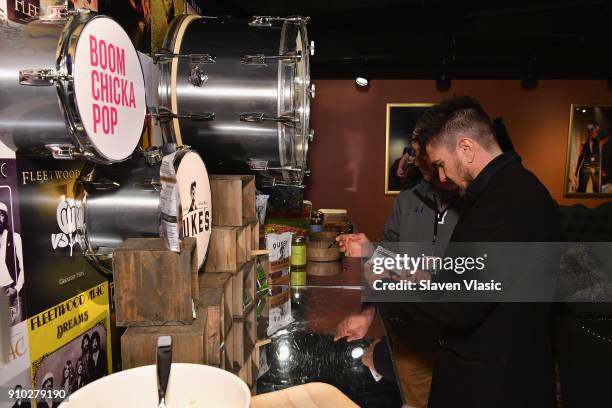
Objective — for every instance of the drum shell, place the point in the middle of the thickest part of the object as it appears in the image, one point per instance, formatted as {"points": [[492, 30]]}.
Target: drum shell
{"points": [[131, 210], [228, 144], [30, 116]]}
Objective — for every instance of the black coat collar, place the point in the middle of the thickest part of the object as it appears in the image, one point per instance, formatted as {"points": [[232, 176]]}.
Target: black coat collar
{"points": [[487, 174]]}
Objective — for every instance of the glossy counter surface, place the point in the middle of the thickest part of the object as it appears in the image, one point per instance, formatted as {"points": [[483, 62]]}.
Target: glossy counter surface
{"points": [[304, 351]]}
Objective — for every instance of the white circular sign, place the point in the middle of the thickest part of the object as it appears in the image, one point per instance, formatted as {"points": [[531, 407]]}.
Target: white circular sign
{"points": [[109, 88], [196, 203]]}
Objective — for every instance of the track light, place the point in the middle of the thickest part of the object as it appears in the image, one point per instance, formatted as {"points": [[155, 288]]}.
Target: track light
{"points": [[530, 77], [443, 81], [362, 80], [362, 76]]}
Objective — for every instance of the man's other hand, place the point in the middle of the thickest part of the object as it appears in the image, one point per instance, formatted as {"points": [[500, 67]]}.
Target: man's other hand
{"points": [[355, 245], [355, 326]]}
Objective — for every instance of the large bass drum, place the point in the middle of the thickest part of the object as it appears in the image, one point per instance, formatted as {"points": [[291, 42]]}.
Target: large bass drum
{"points": [[71, 87], [122, 201], [239, 93]]}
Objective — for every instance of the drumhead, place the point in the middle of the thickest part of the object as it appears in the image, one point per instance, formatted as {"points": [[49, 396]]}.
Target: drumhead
{"points": [[109, 89], [196, 203]]}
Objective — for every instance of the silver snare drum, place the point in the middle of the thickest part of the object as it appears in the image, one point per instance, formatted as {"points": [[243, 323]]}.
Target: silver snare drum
{"points": [[239, 93], [71, 87], [122, 201]]}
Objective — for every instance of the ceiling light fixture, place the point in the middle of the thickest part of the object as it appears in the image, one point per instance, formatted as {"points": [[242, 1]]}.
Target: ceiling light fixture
{"points": [[362, 77], [530, 77], [443, 81]]}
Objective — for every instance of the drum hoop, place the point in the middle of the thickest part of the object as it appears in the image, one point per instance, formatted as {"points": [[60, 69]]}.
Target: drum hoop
{"points": [[300, 162], [65, 58], [176, 47]]}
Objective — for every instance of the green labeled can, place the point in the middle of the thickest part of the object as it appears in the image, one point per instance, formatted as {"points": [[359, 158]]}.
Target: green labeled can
{"points": [[298, 252], [298, 276]]}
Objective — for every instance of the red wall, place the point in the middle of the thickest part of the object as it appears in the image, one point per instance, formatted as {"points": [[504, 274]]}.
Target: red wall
{"points": [[347, 157]]}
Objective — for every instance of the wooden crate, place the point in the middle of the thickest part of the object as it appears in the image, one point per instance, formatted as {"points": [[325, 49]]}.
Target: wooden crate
{"points": [[239, 282], [250, 325], [258, 349], [139, 344], [246, 373], [217, 294], [233, 200], [215, 304], [227, 250], [255, 236], [230, 344], [153, 285], [249, 285]]}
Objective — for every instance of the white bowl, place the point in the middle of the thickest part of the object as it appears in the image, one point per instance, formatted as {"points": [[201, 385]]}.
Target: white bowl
{"points": [[190, 386]]}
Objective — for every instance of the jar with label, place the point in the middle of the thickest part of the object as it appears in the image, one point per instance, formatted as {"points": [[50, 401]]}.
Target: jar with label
{"points": [[316, 222], [298, 261]]}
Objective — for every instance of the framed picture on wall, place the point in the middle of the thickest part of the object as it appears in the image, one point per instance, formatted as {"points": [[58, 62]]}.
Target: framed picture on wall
{"points": [[400, 172], [588, 169]]}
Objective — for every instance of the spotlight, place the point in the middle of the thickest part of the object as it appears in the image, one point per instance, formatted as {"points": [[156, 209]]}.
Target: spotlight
{"points": [[530, 77], [362, 81], [443, 81], [584, 111], [362, 76]]}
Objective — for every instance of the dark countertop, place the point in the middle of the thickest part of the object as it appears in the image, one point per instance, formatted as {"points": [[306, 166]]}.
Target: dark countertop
{"points": [[305, 351]]}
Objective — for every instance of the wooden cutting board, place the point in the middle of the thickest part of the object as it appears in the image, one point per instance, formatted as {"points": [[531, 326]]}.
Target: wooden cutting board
{"points": [[311, 395]]}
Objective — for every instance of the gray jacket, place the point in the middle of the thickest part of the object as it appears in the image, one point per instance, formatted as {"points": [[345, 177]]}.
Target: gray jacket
{"points": [[413, 214]]}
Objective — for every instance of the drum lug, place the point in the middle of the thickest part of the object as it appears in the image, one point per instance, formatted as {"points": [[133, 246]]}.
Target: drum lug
{"points": [[257, 165], [41, 77], [64, 151], [152, 156], [311, 135], [267, 21], [165, 115], [195, 58], [286, 119], [260, 59], [311, 48], [197, 76], [312, 90]]}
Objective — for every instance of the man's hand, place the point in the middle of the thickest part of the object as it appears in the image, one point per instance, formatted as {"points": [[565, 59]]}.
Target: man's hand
{"points": [[368, 355], [355, 326], [355, 245]]}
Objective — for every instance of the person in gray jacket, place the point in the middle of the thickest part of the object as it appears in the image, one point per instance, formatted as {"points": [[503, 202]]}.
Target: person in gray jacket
{"points": [[426, 212]]}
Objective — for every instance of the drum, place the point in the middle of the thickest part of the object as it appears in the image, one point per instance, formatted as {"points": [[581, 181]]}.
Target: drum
{"points": [[122, 201], [71, 87], [239, 93]]}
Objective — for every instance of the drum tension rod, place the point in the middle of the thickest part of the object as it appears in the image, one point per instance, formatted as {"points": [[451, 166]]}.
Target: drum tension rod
{"points": [[165, 115], [195, 58], [260, 59], [287, 119], [266, 21]]}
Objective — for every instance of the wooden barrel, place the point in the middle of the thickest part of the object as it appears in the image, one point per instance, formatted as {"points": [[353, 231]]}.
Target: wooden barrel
{"points": [[318, 247]]}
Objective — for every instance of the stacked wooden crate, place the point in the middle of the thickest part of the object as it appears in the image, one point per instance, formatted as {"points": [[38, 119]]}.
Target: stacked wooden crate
{"points": [[211, 314], [156, 294], [235, 234]]}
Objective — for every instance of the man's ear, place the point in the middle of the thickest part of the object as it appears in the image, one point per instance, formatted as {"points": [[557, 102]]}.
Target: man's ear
{"points": [[466, 149]]}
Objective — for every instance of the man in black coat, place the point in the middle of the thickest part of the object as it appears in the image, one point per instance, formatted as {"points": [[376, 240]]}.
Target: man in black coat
{"points": [[492, 354]]}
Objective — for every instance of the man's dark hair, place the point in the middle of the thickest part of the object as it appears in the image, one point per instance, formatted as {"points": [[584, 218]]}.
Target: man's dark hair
{"points": [[85, 337], [95, 335], [464, 114]]}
